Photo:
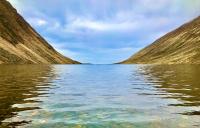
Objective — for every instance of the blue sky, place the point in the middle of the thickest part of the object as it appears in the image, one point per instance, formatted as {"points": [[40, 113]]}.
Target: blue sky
{"points": [[104, 31]]}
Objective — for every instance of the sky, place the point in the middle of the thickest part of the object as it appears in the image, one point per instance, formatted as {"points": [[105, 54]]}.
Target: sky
{"points": [[104, 31]]}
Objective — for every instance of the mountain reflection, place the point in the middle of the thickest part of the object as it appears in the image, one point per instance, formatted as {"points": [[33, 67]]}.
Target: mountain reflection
{"points": [[19, 85], [179, 82]]}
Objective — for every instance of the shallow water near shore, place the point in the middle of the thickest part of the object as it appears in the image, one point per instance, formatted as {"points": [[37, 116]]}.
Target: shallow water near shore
{"points": [[100, 96]]}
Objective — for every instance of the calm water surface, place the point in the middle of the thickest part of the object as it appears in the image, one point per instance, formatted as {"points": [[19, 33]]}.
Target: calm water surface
{"points": [[100, 96]]}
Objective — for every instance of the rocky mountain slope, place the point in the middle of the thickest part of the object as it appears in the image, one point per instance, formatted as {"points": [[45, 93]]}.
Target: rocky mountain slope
{"points": [[181, 46], [21, 44]]}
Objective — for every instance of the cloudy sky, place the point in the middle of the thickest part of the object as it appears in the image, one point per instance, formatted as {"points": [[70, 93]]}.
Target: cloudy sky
{"points": [[104, 31]]}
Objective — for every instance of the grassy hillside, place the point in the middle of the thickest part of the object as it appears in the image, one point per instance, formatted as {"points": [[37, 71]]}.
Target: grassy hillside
{"points": [[181, 46], [21, 44]]}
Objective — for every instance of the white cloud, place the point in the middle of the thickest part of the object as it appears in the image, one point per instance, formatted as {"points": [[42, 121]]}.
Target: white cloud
{"points": [[103, 28], [37, 22], [41, 22], [97, 25]]}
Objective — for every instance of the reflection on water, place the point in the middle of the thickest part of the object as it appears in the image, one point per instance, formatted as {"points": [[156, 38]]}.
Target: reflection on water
{"points": [[100, 96], [18, 85], [181, 82]]}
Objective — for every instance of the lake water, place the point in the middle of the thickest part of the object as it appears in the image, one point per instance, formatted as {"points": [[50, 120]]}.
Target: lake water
{"points": [[100, 96]]}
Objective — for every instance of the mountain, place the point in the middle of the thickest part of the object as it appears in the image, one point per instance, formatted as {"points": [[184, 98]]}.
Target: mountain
{"points": [[181, 46], [21, 44]]}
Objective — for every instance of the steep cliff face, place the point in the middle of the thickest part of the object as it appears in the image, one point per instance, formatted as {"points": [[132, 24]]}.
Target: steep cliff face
{"points": [[21, 44], [181, 46]]}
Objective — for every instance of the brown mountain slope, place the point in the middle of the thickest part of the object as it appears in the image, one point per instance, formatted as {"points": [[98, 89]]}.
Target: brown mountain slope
{"points": [[181, 46], [21, 44]]}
